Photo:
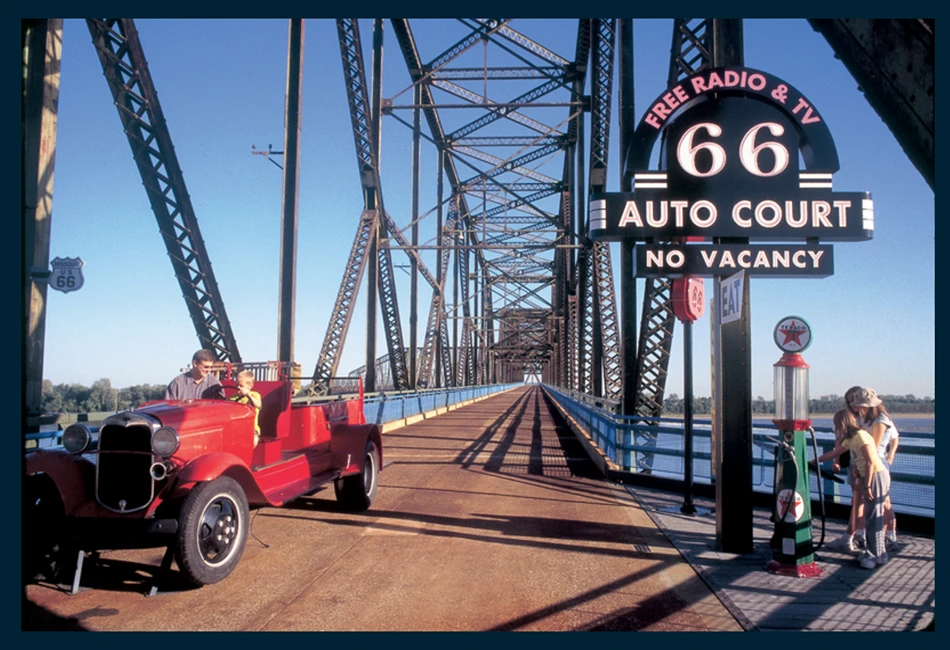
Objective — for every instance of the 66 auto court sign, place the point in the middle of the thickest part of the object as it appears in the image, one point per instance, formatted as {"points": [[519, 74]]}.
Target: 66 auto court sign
{"points": [[733, 138]]}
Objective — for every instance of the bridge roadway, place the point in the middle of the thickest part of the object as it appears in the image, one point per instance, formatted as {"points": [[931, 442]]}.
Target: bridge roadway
{"points": [[489, 517]]}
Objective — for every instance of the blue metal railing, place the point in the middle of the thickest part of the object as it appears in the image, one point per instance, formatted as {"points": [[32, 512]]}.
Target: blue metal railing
{"points": [[43, 439], [383, 408], [636, 443], [378, 408]]}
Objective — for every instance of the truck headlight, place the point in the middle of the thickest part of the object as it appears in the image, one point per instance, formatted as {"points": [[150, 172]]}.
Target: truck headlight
{"points": [[76, 438], [165, 442]]}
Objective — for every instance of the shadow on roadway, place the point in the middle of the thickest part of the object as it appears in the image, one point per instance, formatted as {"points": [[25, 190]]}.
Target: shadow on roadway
{"points": [[35, 618], [116, 575]]}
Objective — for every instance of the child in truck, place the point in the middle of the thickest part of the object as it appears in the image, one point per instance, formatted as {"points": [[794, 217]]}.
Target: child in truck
{"points": [[245, 395]]}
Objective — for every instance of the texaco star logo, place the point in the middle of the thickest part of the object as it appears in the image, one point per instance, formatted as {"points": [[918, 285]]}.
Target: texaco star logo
{"points": [[792, 334]]}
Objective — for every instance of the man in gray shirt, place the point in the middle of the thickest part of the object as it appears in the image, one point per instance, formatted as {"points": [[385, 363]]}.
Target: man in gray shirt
{"points": [[197, 383]]}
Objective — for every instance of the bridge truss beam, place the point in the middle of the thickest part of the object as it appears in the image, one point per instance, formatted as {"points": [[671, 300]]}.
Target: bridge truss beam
{"points": [[517, 251], [893, 62], [126, 71], [365, 122]]}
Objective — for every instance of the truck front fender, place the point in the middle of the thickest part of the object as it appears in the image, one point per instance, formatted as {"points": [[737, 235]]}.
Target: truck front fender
{"points": [[211, 466], [73, 476], [208, 467]]}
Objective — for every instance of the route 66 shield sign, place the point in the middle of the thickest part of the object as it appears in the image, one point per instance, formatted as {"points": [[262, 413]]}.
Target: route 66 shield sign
{"points": [[66, 274]]}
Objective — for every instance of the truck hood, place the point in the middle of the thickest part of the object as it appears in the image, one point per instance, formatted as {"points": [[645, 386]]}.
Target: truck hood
{"points": [[191, 415]]}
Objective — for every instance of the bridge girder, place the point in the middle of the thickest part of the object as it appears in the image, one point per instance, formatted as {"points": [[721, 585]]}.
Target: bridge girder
{"points": [[891, 60], [126, 71]]}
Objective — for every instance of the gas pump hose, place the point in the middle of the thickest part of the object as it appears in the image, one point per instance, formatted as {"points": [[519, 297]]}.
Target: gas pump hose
{"points": [[821, 497]]}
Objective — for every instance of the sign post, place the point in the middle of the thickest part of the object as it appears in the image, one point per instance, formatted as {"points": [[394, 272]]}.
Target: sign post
{"points": [[734, 139], [689, 304], [733, 455]]}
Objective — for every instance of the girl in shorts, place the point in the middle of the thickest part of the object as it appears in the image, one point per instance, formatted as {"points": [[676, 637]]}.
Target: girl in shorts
{"points": [[875, 481], [854, 537]]}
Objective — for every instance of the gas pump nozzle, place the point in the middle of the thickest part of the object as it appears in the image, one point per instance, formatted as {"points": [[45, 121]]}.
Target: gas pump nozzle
{"points": [[825, 474]]}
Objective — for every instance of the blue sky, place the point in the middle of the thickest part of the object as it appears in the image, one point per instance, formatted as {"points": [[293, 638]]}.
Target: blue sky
{"points": [[221, 84]]}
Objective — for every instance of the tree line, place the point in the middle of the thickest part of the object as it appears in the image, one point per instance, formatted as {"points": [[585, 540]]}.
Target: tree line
{"points": [[102, 397], [675, 405]]}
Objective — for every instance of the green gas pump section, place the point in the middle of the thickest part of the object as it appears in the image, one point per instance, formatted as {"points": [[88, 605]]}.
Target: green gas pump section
{"points": [[792, 549]]}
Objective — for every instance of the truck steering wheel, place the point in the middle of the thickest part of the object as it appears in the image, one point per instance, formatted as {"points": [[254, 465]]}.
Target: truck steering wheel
{"points": [[227, 392]]}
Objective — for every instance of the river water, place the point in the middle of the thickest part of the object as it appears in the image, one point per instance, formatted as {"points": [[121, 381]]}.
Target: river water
{"points": [[915, 456], [908, 424]]}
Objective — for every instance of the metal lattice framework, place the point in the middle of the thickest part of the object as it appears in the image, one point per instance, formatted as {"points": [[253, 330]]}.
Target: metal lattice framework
{"points": [[690, 53], [436, 334], [893, 62], [598, 349], [605, 311], [514, 270], [126, 71], [364, 135], [515, 231], [511, 250], [342, 313]]}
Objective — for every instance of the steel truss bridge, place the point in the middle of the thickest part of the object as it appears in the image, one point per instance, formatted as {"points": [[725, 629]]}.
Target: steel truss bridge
{"points": [[522, 134]]}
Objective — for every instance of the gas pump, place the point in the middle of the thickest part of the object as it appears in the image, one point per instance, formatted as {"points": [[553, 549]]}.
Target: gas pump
{"points": [[792, 550]]}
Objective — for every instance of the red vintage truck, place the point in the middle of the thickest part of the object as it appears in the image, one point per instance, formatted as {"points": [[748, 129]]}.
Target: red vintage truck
{"points": [[183, 475]]}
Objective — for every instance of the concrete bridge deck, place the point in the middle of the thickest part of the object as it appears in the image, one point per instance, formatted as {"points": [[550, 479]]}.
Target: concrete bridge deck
{"points": [[491, 517]]}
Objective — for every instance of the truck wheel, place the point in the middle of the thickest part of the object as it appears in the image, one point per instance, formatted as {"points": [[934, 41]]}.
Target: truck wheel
{"points": [[356, 493], [212, 531], [44, 551]]}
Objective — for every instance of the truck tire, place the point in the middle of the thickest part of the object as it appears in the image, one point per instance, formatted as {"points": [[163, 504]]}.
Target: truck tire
{"points": [[356, 493], [212, 531], [45, 553]]}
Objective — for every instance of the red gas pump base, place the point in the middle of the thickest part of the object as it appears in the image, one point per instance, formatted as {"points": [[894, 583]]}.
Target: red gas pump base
{"points": [[810, 570]]}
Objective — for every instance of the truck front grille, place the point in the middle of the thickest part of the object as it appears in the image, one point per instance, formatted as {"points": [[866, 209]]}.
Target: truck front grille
{"points": [[123, 482]]}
